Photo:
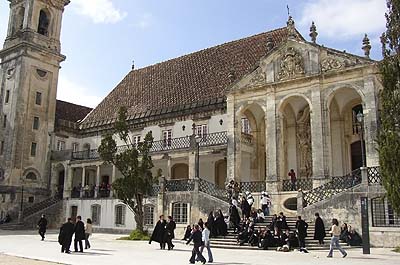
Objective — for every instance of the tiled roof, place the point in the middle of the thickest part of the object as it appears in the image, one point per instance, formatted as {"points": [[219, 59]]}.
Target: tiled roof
{"points": [[199, 76], [70, 112]]}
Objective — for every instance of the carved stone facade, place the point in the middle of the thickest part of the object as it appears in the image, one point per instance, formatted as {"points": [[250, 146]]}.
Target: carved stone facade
{"points": [[291, 65]]}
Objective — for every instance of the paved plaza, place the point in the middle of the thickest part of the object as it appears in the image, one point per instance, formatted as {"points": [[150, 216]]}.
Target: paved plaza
{"points": [[107, 250]]}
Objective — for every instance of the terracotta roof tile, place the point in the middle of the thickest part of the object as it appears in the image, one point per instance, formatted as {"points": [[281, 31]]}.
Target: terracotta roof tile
{"points": [[199, 76], [70, 112]]}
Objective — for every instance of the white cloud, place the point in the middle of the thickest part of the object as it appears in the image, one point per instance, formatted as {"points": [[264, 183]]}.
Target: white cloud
{"points": [[76, 93], [144, 21], [100, 11], [344, 18]]}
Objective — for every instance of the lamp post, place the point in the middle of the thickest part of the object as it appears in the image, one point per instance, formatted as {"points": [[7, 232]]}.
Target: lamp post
{"points": [[21, 209], [360, 119], [198, 140]]}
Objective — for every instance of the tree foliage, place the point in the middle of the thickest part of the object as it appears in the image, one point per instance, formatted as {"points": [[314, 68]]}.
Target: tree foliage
{"points": [[133, 162], [389, 134]]}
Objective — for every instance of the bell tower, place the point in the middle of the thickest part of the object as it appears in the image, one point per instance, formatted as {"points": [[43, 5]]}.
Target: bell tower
{"points": [[29, 66]]}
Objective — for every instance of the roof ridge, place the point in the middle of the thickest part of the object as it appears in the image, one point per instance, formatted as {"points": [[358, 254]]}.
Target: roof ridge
{"points": [[63, 101]]}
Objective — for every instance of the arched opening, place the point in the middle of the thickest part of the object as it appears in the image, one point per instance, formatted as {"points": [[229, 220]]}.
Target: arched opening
{"points": [[295, 150], [180, 171], [220, 173], [44, 22], [60, 171], [345, 131], [252, 139], [31, 176]]}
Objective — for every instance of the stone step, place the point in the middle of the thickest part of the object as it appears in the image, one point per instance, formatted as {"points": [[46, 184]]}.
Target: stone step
{"points": [[12, 226]]}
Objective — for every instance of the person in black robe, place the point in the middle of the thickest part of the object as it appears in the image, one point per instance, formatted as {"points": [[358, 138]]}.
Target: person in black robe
{"points": [[267, 240], [354, 239], [201, 224], [273, 225], [42, 225], [301, 227], [281, 223], [159, 232], [245, 206], [319, 232], [188, 232], [211, 224], [169, 232], [79, 231], [65, 236], [234, 217], [221, 227], [197, 243]]}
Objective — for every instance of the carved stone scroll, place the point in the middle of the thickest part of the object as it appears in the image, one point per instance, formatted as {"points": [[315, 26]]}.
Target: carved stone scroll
{"points": [[291, 66]]}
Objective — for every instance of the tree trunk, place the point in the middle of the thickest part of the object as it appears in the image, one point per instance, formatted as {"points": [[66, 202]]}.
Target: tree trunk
{"points": [[139, 215]]}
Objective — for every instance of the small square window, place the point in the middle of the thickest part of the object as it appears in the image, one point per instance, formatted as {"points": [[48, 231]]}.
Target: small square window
{"points": [[60, 145], [4, 121], [36, 123], [75, 147], [33, 149], [1, 147], [7, 98], [38, 99], [31, 199]]}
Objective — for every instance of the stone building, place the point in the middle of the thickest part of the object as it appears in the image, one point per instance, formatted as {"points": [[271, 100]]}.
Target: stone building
{"points": [[248, 110]]}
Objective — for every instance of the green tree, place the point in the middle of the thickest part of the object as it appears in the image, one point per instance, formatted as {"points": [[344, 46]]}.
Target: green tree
{"points": [[389, 133], [133, 162]]}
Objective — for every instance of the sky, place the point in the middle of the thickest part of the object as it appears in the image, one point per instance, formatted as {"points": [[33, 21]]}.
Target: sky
{"points": [[101, 38]]}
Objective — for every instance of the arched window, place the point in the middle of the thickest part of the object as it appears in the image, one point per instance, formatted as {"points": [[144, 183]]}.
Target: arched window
{"points": [[44, 22], [180, 171], [180, 212], [148, 215], [96, 212], [120, 212], [31, 176]]}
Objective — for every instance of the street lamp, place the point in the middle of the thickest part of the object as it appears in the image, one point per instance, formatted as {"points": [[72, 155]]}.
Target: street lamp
{"points": [[360, 119], [198, 140]]}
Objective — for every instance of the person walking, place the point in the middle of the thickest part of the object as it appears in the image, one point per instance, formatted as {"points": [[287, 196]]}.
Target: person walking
{"points": [[234, 217], [170, 234], [65, 236], [293, 179], [206, 242], [319, 232], [79, 231], [42, 225], [197, 243], [88, 232], [159, 232], [265, 203], [335, 231], [301, 227]]}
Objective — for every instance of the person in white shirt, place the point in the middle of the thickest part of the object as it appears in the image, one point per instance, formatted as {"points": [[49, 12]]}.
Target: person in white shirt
{"points": [[265, 203], [335, 231], [206, 242]]}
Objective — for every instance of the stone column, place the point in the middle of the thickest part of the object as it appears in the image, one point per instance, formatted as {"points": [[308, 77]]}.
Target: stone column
{"points": [[317, 120], [83, 180], [169, 168], [271, 144], [231, 125], [68, 181], [96, 188], [370, 109], [113, 173], [192, 165]]}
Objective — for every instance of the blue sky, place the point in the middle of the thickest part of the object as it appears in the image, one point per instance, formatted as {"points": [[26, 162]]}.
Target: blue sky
{"points": [[101, 37]]}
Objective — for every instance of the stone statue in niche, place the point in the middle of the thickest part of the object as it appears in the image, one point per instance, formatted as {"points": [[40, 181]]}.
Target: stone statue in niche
{"points": [[291, 65], [303, 135]]}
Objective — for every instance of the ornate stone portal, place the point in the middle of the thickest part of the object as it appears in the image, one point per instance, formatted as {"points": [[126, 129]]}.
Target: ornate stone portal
{"points": [[291, 66]]}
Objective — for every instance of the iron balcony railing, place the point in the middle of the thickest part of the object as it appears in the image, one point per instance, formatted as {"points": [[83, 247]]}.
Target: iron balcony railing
{"points": [[179, 185], [180, 143], [213, 190], [374, 176], [303, 184]]}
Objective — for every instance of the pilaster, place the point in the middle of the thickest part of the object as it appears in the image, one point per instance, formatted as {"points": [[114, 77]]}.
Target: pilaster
{"points": [[271, 144], [370, 108]]}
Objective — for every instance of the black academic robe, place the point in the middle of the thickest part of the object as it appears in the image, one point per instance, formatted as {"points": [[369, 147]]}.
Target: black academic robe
{"points": [[159, 232], [319, 232], [66, 233], [170, 227], [234, 215], [211, 225], [42, 224], [221, 227], [301, 226], [246, 208], [79, 230]]}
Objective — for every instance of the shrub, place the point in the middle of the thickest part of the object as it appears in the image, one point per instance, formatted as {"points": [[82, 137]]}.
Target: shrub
{"points": [[136, 235]]}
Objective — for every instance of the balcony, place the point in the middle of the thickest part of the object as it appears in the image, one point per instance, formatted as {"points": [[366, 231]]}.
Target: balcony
{"points": [[173, 144], [61, 155]]}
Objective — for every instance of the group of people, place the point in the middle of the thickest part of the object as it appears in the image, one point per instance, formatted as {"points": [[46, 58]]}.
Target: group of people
{"points": [[164, 232], [82, 233]]}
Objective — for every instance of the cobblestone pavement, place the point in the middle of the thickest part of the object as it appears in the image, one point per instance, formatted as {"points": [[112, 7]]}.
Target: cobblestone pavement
{"points": [[11, 260], [107, 250]]}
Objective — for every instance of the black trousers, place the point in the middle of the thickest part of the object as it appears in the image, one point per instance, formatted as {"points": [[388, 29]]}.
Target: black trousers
{"points": [[42, 233], [162, 245], [302, 242], [76, 245], [169, 243], [66, 245], [196, 251]]}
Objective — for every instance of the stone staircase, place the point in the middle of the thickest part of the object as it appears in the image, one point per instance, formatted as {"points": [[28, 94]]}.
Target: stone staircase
{"points": [[230, 240]]}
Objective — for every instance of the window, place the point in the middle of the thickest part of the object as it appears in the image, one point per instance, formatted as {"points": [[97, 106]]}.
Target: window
{"points": [[96, 211], [38, 99], [36, 123], [4, 121], [31, 199], [1, 174], [383, 214], [148, 215], [31, 176], [33, 149], [180, 212], [246, 126], [1, 147], [43, 25], [356, 125], [167, 137], [202, 130], [136, 139], [7, 98], [75, 147], [120, 215], [60, 145]]}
